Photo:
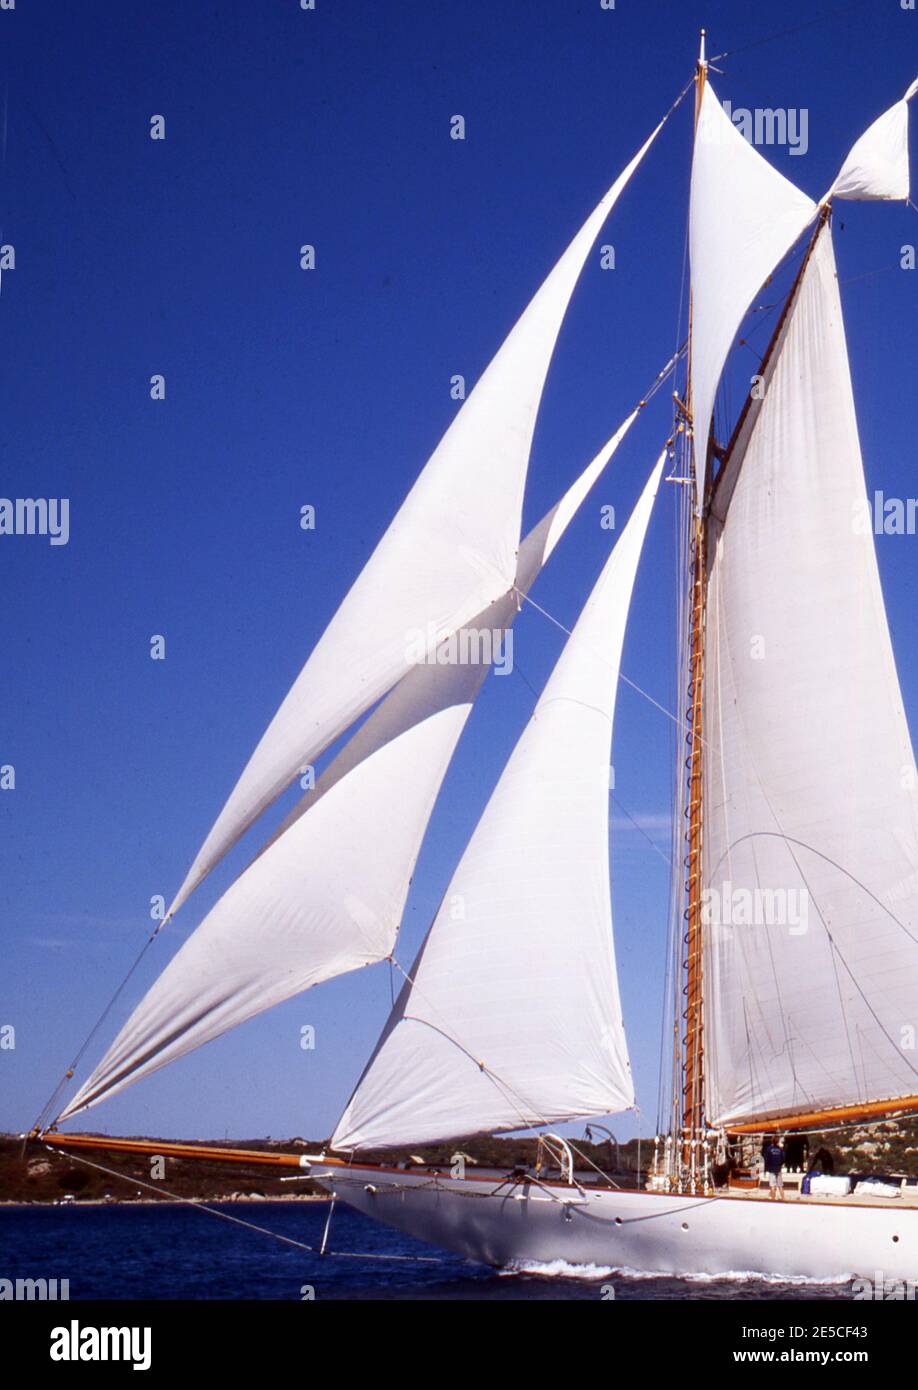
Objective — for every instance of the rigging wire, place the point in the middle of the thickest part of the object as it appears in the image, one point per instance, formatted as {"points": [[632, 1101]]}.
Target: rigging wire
{"points": [[785, 33], [667, 858], [866, 274], [687, 88], [52, 1100], [163, 1193], [177, 1197], [569, 632]]}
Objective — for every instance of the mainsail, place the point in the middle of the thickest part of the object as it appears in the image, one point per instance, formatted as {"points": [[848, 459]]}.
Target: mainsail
{"points": [[744, 216], [327, 893], [450, 551], [811, 795], [512, 1015]]}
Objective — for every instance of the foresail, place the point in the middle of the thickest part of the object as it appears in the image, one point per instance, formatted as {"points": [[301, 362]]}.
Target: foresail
{"points": [[513, 1015], [327, 897], [877, 166], [327, 893], [810, 907], [444, 680], [744, 217], [450, 551]]}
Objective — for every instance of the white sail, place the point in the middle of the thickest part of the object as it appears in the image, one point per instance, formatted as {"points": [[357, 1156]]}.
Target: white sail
{"points": [[441, 682], [450, 551], [877, 166], [744, 217], [278, 929], [811, 797], [513, 1017], [327, 893]]}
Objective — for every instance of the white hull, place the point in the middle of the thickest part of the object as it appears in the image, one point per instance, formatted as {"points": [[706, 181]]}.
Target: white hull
{"points": [[494, 1222]]}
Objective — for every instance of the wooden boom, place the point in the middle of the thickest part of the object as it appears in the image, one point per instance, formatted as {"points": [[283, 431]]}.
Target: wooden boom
{"points": [[210, 1153], [813, 1119]]}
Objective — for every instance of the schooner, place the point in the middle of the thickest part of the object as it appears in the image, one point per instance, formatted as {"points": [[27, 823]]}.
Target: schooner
{"points": [[799, 784]]}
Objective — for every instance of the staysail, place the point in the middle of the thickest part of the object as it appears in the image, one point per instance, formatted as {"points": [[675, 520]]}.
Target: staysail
{"points": [[810, 904], [327, 893], [512, 1016], [744, 216], [450, 551]]}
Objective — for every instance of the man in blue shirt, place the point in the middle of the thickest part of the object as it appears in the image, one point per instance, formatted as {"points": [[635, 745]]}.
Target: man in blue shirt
{"points": [[773, 1158]]}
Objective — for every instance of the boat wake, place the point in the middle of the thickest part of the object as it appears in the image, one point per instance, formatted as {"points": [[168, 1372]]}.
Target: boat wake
{"points": [[738, 1276], [557, 1269], [560, 1269]]}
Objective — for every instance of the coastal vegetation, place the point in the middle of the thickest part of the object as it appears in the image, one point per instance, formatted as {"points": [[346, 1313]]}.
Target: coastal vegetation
{"points": [[29, 1172]]}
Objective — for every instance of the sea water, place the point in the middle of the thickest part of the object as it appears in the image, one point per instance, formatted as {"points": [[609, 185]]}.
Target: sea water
{"points": [[167, 1251]]}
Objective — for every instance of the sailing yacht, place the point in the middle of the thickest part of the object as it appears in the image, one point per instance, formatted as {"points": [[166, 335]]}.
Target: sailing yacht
{"points": [[799, 788]]}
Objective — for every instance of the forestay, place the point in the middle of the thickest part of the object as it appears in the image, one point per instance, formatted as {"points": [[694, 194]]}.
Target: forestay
{"points": [[513, 1017], [450, 551], [810, 912]]}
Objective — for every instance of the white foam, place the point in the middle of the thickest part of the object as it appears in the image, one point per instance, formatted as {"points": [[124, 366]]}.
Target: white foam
{"points": [[560, 1269], [734, 1275], [557, 1269]]}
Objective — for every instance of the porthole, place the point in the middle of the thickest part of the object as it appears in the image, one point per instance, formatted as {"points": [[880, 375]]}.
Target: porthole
{"points": [[618, 1220], [685, 1225], [895, 1240]]}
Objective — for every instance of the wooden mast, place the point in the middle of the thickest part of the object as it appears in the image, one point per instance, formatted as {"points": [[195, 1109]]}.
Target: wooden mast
{"points": [[693, 1013], [692, 1070], [693, 988]]}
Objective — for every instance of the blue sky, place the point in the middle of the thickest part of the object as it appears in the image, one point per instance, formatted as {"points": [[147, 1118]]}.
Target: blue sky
{"points": [[180, 257]]}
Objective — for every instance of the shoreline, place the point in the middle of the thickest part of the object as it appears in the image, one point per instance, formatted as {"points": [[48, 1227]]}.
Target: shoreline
{"points": [[171, 1201]]}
